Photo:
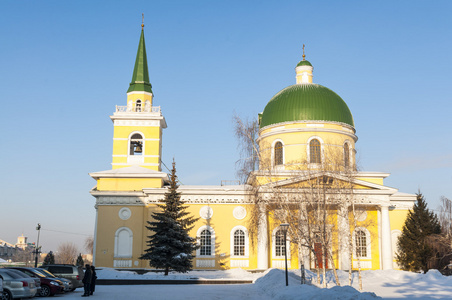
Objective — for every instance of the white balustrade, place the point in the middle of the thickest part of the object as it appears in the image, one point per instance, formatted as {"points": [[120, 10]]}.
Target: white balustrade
{"points": [[154, 109]]}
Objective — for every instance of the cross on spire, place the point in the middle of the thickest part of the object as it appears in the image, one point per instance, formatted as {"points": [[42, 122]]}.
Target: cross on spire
{"points": [[304, 56]]}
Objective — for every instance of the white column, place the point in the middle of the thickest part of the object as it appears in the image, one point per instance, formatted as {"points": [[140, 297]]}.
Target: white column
{"points": [[304, 252], [262, 239], [344, 237], [386, 244]]}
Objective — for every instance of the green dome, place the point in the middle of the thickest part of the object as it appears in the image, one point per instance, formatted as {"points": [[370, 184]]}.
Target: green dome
{"points": [[304, 63], [306, 102]]}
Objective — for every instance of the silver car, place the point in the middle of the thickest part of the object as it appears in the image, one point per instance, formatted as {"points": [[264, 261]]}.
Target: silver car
{"points": [[15, 286]]}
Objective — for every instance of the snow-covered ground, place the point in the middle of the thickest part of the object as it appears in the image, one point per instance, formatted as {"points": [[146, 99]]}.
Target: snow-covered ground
{"points": [[388, 284]]}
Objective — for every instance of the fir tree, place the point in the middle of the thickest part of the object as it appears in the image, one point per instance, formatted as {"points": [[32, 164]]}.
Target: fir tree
{"points": [[80, 261], [170, 246], [49, 259], [414, 251]]}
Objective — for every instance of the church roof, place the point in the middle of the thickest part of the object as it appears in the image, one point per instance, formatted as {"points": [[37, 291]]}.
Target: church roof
{"points": [[140, 78], [306, 102], [304, 63]]}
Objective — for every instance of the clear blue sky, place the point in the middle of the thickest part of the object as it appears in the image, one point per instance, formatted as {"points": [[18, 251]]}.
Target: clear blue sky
{"points": [[64, 65]]}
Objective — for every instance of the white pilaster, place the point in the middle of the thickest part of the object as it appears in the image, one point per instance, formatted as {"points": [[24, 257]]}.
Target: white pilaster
{"points": [[262, 239], [386, 244], [344, 237], [95, 236]]}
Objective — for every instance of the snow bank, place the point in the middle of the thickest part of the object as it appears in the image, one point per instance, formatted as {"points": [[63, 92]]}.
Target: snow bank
{"points": [[271, 284], [274, 284]]}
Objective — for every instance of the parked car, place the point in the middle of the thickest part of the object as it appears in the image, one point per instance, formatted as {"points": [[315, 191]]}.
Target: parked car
{"points": [[49, 286], [68, 286], [23, 275], [1, 287], [71, 272], [15, 286]]}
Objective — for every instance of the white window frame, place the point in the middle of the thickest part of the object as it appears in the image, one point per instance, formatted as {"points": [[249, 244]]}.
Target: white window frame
{"points": [[274, 244], [212, 241], [368, 243], [308, 150], [279, 167], [135, 159], [118, 242], [239, 227]]}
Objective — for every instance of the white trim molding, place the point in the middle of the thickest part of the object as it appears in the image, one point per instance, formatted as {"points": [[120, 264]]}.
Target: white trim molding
{"points": [[123, 243], [368, 243], [245, 231], [212, 241], [308, 150], [281, 166], [274, 256]]}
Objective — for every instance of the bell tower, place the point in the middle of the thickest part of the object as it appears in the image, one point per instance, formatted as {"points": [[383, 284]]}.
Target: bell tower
{"points": [[137, 136]]}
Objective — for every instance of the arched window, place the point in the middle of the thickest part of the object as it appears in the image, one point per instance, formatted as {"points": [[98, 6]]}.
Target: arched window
{"points": [[278, 155], [123, 242], [136, 144], [280, 244], [346, 155], [362, 243], [205, 240], [138, 106], [314, 152], [239, 243]]}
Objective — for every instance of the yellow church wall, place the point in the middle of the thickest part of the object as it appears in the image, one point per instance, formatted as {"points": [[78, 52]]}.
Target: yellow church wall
{"points": [[128, 184], [375, 180], [397, 218], [151, 149], [293, 258], [108, 224], [295, 144], [139, 96], [148, 131], [371, 224], [223, 222]]}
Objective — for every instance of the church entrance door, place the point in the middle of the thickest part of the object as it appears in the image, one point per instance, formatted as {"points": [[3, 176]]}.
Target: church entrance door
{"points": [[318, 250]]}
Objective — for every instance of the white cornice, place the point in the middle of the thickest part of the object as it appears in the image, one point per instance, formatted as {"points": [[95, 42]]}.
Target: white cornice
{"points": [[129, 172], [372, 174], [307, 129], [140, 93], [348, 126], [139, 121]]}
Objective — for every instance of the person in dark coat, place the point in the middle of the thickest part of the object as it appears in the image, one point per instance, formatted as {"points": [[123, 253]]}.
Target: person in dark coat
{"points": [[92, 287], [87, 280]]}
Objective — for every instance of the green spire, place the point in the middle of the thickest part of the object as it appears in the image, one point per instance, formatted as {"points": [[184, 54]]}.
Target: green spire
{"points": [[140, 78]]}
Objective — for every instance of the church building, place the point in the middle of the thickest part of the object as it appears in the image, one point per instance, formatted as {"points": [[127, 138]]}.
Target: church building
{"points": [[306, 173]]}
